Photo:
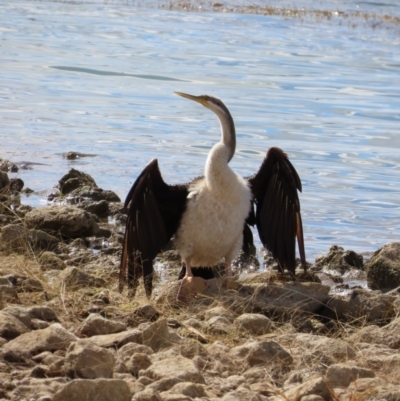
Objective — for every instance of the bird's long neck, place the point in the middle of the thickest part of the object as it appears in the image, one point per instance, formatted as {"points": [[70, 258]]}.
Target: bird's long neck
{"points": [[220, 155]]}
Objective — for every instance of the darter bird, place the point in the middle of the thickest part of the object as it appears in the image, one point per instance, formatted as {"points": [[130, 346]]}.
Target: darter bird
{"points": [[209, 217]]}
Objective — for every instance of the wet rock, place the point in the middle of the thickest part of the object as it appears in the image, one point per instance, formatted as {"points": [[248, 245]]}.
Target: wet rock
{"points": [[7, 165], [99, 208], [69, 221], [341, 375], [71, 155], [340, 260], [53, 338], [254, 323], [15, 185], [383, 269], [97, 325], [75, 179], [374, 307], [98, 389], [94, 194], [4, 180], [73, 277], [49, 260], [177, 367], [88, 361], [10, 326]]}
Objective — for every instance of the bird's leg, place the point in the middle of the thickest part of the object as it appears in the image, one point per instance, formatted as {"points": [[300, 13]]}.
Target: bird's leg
{"points": [[228, 273], [187, 287]]}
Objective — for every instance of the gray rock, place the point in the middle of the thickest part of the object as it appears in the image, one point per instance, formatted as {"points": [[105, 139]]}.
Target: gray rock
{"points": [[283, 299], [383, 269], [90, 390], [313, 387], [148, 394], [219, 325], [49, 260], [374, 307], [192, 390], [117, 340], [88, 361], [72, 277], [340, 260], [262, 352], [137, 362], [66, 220], [254, 323], [219, 311], [75, 179], [10, 326], [341, 375], [334, 348], [97, 325], [20, 313], [388, 335], [177, 367], [147, 312], [53, 338], [4, 180], [157, 335], [19, 238]]}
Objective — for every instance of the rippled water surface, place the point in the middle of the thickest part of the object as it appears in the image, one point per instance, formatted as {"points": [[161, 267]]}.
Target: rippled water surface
{"points": [[98, 78]]}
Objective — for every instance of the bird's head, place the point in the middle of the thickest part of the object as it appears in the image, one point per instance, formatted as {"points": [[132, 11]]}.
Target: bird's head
{"points": [[213, 103]]}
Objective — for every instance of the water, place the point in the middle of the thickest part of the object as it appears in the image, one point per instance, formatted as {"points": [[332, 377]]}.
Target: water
{"points": [[98, 77]]}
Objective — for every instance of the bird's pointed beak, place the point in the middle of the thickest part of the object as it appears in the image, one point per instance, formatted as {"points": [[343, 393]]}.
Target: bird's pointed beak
{"points": [[198, 99]]}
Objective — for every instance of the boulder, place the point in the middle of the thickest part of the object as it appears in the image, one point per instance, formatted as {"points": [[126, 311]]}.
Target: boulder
{"points": [[317, 387], [137, 362], [98, 389], [88, 361], [69, 221], [383, 269]]}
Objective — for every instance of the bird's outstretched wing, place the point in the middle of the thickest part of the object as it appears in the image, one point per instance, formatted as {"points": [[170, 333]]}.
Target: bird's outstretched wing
{"points": [[155, 210], [277, 216]]}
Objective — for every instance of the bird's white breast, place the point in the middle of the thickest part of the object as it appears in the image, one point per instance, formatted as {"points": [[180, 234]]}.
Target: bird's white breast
{"points": [[212, 225]]}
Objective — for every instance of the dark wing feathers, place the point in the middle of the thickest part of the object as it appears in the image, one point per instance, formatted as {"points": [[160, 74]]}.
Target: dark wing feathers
{"points": [[278, 218], [155, 210]]}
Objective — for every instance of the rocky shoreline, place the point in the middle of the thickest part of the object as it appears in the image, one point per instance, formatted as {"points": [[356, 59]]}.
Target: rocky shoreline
{"points": [[66, 333]]}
